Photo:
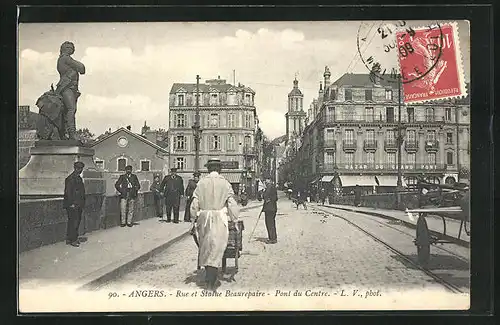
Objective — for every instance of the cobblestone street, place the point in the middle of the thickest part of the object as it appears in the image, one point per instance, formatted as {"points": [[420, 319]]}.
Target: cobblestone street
{"points": [[314, 251]]}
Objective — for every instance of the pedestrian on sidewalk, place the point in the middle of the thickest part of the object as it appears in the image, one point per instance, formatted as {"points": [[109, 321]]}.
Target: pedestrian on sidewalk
{"points": [[270, 208], [128, 186], [322, 196], [74, 202], [357, 196], [172, 187], [189, 195], [157, 195], [214, 206]]}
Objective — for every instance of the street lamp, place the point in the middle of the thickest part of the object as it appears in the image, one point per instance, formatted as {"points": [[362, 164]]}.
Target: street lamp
{"points": [[399, 185], [196, 127]]}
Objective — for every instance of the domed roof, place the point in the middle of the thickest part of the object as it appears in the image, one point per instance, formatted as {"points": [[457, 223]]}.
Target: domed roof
{"points": [[295, 91]]}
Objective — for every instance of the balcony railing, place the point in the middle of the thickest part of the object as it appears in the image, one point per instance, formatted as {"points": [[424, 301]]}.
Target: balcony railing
{"points": [[370, 144], [431, 145], [381, 118], [390, 145], [349, 145], [330, 144], [373, 167], [411, 146]]}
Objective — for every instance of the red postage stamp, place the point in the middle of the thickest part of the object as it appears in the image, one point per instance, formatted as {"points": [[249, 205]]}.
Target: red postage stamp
{"points": [[431, 63]]}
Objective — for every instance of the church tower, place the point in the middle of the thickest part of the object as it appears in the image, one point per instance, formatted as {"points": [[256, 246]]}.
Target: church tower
{"points": [[296, 116]]}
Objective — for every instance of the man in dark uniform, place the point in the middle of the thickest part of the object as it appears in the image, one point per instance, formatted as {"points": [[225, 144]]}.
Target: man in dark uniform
{"points": [[270, 208], [128, 186], [172, 187], [157, 195], [74, 202], [357, 196], [189, 195]]}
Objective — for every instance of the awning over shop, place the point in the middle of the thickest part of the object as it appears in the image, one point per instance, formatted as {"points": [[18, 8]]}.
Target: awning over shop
{"points": [[327, 178], [391, 180], [230, 177], [353, 180]]}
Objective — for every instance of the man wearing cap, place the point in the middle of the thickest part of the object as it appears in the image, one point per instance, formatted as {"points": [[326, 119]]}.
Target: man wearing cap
{"points": [[128, 186], [189, 195], [74, 202], [270, 208], [172, 187], [213, 206]]}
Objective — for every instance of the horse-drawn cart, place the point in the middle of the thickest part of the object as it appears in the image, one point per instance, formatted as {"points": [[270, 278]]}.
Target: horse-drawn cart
{"points": [[446, 202]]}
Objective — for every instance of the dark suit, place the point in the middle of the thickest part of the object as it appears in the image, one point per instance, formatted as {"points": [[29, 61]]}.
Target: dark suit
{"points": [[173, 188], [189, 198], [270, 208], [128, 186], [74, 202]]}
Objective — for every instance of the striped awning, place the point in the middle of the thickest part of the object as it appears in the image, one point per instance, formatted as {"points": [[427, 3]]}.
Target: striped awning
{"points": [[353, 180], [390, 180]]}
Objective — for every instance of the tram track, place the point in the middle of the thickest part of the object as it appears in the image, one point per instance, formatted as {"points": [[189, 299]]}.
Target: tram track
{"points": [[448, 285]]}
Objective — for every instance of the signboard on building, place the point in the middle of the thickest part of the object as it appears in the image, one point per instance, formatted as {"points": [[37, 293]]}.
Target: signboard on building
{"points": [[230, 164]]}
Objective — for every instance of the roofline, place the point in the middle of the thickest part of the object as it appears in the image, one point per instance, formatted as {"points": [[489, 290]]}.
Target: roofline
{"points": [[137, 136]]}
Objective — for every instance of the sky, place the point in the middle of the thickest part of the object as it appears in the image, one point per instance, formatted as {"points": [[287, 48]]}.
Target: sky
{"points": [[130, 67]]}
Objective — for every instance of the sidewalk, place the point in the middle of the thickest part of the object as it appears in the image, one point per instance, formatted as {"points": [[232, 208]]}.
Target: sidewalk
{"points": [[105, 254], [434, 223]]}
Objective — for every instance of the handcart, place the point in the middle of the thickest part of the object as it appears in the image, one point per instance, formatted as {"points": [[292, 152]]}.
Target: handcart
{"points": [[444, 201]]}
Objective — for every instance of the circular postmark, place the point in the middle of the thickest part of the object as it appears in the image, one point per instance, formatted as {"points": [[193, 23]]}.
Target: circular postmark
{"points": [[395, 51]]}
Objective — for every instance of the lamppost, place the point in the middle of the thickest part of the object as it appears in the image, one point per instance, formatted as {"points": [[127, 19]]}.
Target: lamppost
{"points": [[399, 185], [196, 127]]}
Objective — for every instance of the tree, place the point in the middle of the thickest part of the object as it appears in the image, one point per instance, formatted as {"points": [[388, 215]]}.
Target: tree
{"points": [[84, 135]]}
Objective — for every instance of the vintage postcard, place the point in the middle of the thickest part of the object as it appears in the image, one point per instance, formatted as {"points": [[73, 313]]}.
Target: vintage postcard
{"points": [[244, 166]]}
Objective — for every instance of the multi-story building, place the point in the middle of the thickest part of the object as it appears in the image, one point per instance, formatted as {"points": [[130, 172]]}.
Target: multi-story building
{"points": [[230, 130], [352, 138]]}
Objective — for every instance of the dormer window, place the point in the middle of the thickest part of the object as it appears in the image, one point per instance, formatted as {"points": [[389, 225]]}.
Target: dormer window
{"points": [[368, 94], [231, 98], [180, 99], [248, 99], [214, 99], [388, 94], [348, 94]]}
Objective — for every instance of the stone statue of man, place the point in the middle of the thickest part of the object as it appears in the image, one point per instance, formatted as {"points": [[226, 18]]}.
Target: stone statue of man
{"points": [[69, 70]]}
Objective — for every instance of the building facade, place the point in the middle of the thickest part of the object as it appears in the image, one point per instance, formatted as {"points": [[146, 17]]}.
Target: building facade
{"points": [[352, 138], [230, 130], [120, 148]]}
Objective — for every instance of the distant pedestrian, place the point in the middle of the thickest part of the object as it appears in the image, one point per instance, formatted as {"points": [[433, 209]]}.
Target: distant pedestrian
{"points": [[301, 199], [74, 202], [189, 195], [172, 187], [270, 208], [357, 196], [128, 186], [322, 196], [214, 206], [157, 195]]}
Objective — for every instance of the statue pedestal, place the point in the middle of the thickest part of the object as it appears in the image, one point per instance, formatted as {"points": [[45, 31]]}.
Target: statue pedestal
{"points": [[51, 162]]}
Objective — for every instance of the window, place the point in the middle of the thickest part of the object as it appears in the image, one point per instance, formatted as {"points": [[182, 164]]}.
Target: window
{"points": [[247, 141], [370, 158], [180, 100], [370, 135], [348, 113], [248, 120], [348, 94], [449, 158], [180, 143], [449, 138], [369, 114], [231, 120], [368, 94], [411, 114], [215, 145], [429, 114], [231, 99], [411, 158], [214, 120], [431, 158], [391, 158], [391, 136], [330, 134], [121, 163], [231, 142], [431, 135], [388, 94], [349, 136], [145, 165], [330, 114], [248, 99], [180, 163], [197, 96], [99, 164], [349, 158], [330, 158], [448, 113], [389, 113], [214, 99], [180, 121], [411, 136]]}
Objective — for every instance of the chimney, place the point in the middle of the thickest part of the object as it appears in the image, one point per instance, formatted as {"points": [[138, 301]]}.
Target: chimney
{"points": [[327, 75], [129, 127]]}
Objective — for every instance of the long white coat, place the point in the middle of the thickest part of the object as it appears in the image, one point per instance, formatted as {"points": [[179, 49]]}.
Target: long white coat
{"points": [[214, 205]]}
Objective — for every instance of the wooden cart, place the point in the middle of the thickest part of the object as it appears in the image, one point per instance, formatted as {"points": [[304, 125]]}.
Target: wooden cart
{"points": [[439, 196], [234, 244]]}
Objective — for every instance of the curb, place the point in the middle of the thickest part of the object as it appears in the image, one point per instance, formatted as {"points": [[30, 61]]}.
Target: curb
{"points": [[407, 224], [114, 270]]}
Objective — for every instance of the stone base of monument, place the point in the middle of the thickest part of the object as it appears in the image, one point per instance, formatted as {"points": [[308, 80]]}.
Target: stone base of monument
{"points": [[51, 162]]}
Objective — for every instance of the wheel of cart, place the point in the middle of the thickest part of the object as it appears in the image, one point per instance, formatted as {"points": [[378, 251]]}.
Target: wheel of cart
{"points": [[423, 240], [234, 244]]}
